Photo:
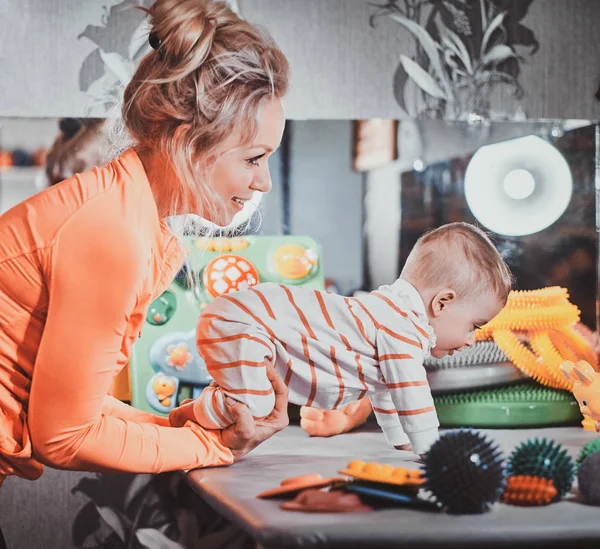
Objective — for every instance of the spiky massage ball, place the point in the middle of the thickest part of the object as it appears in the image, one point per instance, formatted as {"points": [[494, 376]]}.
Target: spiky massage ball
{"points": [[543, 458], [464, 471]]}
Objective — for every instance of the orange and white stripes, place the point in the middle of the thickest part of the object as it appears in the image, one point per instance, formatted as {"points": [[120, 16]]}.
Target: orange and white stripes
{"points": [[330, 350]]}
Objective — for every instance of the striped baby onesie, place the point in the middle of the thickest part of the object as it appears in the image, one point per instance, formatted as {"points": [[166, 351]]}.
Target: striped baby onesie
{"points": [[330, 350]]}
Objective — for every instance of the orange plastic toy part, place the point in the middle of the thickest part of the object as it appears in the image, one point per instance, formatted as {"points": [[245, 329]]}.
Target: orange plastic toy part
{"points": [[293, 485], [221, 244], [318, 501], [229, 273], [375, 472], [293, 262], [586, 388], [526, 490]]}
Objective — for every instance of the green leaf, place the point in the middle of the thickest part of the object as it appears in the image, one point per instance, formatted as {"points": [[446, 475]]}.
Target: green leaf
{"points": [[422, 78], [464, 55], [118, 65], [153, 539], [139, 484], [497, 21], [113, 520], [498, 53], [429, 45]]}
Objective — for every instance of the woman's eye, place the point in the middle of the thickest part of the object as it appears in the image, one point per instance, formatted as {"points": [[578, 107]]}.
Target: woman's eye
{"points": [[254, 160]]}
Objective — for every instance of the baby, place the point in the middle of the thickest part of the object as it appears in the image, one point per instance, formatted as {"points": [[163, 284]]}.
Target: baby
{"points": [[332, 350]]}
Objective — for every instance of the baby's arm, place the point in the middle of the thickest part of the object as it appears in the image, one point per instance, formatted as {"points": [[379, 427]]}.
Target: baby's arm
{"points": [[401, 363], [237, 355], [388, 420]]}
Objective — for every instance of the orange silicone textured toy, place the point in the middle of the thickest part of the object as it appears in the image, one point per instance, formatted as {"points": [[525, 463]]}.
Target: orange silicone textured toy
{"points": [[526, 490], [545, 319]]}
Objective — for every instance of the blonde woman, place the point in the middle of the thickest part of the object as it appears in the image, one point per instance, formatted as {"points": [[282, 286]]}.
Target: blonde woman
{"points": [[81, 262]]}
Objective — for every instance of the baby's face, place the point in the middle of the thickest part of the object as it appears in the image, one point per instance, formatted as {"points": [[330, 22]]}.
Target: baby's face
{"points": [[456, 324]]}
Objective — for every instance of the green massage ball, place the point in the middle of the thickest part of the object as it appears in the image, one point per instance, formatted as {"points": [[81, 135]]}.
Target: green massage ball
{"points": [[590, 448], [543, 458]]}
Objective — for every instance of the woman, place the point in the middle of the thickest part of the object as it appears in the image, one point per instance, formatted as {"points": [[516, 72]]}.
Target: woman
{"points": [[81, 262]]}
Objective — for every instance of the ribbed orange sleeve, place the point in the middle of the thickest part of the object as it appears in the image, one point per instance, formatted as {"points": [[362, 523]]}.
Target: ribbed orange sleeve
{"points": [[94, 275]]}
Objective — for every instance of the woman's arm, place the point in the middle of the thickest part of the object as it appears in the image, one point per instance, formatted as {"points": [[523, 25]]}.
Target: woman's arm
{"points": [[95, 272], [114, 407]]}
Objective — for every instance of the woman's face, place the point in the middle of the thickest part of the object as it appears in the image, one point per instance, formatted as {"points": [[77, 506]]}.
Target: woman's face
{"points": [[240, 170]]}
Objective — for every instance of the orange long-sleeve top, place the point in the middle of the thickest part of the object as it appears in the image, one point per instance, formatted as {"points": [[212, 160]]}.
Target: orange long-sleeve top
{"points": [[79, 265]]}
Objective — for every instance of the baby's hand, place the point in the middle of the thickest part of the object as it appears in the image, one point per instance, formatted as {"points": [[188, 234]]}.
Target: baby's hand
{"points": [[327, 423]]}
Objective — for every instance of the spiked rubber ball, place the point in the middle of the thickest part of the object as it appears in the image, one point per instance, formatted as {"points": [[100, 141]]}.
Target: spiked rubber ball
{"points": [[464, 471], [591, 447], [543, 458], [588, 479]]}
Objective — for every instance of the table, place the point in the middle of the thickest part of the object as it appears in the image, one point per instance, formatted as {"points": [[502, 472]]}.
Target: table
{"points": [[232, 492]]}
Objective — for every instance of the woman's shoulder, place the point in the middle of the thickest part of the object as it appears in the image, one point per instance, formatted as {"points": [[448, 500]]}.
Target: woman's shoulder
{"points": [[97, 204]]}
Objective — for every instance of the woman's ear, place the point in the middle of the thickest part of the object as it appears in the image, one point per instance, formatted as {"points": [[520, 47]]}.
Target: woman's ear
{"points": [[441, 300]]}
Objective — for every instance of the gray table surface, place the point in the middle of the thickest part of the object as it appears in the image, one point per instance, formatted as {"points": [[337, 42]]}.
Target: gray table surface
{"points": [[232, 491]]}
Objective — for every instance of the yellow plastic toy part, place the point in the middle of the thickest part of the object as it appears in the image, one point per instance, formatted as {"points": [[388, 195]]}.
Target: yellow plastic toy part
{"points": [[524, 359], [541, 344], [544, 297], [536, 331], [581, 347], [535, 318], [376, 472]]}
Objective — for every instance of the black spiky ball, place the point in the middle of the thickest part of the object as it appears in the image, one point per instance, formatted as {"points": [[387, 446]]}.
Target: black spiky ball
{"points": [[543, 458], [590, 448], [588, 479], [464, 471]]}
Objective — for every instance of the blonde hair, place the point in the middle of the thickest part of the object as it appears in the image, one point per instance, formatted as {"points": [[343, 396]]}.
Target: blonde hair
{"points": [[462, 256], [210, 74]]}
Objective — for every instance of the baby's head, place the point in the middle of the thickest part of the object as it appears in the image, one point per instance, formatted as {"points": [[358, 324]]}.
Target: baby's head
{"points": [[463, 280]]}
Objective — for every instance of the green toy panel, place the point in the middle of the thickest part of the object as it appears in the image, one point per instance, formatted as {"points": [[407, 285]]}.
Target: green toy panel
{"points": [[165, 366], [522, 405]]}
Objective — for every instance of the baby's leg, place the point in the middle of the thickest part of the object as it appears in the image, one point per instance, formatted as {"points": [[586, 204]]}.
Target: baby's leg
{"points": [[236, 356]]}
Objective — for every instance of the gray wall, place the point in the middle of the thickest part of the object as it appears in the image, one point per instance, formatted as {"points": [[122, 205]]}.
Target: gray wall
{"points": [[341, 67]]}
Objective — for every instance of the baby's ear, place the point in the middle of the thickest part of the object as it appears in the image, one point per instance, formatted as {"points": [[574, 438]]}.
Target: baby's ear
{"points": [[585, 373], [568, 370], [441, 300]]}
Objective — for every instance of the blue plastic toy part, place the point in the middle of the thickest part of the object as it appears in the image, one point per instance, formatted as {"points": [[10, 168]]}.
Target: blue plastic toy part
{"points": [[176, 354]]}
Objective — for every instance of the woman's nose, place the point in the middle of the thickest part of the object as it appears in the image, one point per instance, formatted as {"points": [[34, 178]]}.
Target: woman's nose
{"points": [[262, 182]]}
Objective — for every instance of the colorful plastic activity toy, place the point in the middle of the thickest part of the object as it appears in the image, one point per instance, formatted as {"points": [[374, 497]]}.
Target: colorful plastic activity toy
{"points": [[165, 366]]}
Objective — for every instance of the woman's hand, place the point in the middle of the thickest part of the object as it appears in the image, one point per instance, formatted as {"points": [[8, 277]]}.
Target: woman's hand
{"points": [[246, 433]]}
